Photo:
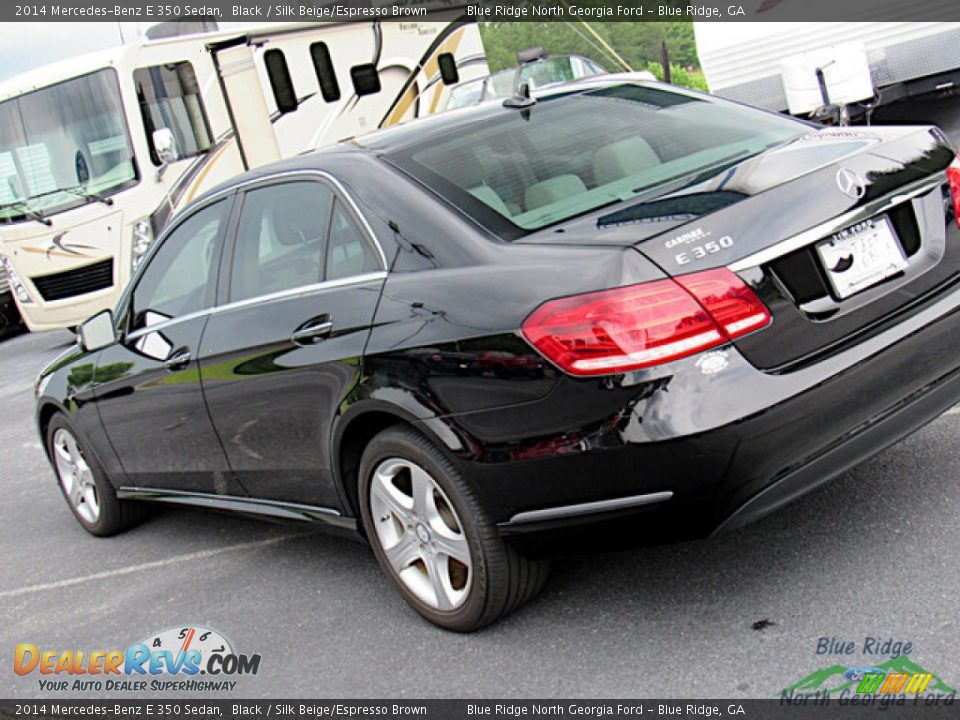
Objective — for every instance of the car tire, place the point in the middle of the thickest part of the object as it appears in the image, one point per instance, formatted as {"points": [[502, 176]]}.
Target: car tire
{"points": [[481, 578], [89, 493]]}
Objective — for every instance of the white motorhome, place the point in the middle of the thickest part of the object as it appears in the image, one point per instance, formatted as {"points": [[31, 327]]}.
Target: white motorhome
{"points": [[97, 152], [773, 64]]}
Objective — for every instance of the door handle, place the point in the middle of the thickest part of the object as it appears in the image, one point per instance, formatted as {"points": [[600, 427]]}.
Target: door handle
{"points": [[179, 360], [312, 331]]}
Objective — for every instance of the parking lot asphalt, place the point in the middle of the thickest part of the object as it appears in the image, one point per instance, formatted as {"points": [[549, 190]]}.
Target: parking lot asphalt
{"points": [[871, 555]]}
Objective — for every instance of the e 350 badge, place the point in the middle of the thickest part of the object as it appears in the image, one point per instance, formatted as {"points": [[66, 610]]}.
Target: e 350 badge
{"points": [[168, 660]]}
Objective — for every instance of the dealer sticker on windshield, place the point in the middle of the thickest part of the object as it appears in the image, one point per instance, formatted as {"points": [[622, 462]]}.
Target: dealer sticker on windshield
{"points": [[862, 255]]}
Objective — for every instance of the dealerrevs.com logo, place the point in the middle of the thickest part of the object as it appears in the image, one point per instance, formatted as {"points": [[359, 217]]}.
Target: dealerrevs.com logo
{"points": [[185, 658]]}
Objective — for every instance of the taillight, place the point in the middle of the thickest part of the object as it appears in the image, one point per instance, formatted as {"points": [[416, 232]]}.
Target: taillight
{"points": [[953, 177], [638, 326], [734, 306]]}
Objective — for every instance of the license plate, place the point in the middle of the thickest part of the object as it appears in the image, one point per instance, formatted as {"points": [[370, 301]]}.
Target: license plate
{"points": [[861, 256]]}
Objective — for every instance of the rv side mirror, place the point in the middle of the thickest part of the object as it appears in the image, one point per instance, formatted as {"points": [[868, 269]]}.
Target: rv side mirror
{"points": [[97, 332], [448, 68], [165, 145]]}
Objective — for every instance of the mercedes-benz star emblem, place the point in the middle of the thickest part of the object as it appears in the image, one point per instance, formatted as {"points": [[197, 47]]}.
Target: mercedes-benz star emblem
{"points": [[851, 184], [423, 535]]}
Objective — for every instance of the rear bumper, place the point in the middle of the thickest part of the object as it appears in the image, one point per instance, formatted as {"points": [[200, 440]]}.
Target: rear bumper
{"points": [[692, 454], [848, 452]]}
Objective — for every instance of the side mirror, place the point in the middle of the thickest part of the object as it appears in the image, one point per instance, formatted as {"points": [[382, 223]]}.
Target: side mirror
{"points": [[97, 332], [166, 145]]}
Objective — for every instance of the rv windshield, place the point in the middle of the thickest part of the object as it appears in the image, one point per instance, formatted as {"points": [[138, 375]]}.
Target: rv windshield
{"points": [[63, 146]]}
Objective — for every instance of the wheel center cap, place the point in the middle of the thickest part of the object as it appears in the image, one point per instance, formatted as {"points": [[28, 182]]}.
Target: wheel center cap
{"points": [[423, 534]]}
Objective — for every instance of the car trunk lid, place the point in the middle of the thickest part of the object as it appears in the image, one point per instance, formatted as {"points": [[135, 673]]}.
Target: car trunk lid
{"points": [[865, 191]]}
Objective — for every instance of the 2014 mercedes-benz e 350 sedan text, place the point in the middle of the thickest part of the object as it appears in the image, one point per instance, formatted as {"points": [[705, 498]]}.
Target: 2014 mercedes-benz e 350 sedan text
{"points": [[621, 310]]}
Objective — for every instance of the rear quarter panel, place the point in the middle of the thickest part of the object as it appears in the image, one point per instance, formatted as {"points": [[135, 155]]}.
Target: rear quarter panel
{"points": [[446, 336]]}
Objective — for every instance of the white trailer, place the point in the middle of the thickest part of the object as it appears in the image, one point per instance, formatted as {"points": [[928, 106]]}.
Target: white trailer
{"points": [[772, 64], [97, 152]]}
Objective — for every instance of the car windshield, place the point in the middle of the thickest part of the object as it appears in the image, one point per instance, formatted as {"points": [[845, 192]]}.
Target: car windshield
{"points": [[63, 146], [571, 154]]}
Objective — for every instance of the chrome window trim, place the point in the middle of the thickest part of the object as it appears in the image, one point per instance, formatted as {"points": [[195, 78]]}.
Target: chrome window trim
{"points": [[270, 297], [126, 295], [302, 289], [140, 332], [319, 173], [875, 207]]}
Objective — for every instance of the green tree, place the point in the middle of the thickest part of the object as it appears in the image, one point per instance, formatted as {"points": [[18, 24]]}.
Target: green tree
{"points": [[638, 43]]}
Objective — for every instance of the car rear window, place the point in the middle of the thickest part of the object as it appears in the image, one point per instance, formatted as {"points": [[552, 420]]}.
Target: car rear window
{"points": [[572, 154]]}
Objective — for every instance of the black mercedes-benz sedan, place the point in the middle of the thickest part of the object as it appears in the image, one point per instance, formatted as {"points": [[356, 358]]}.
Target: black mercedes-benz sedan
{"points": [[619, 310]]}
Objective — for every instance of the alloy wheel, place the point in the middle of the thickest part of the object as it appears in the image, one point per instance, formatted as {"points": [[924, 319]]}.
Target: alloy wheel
{"points": [[421, 534], [75, 476]]}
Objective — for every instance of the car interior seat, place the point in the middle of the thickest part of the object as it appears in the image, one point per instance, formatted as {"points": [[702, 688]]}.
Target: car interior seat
{"points": [[623, 158], [550, 191]]}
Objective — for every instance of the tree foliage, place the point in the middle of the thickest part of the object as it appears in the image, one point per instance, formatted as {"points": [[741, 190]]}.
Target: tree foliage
{"points": [[638, 43]]}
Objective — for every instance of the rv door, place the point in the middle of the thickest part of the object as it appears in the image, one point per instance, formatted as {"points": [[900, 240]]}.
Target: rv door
{"points": [[246, 105]]}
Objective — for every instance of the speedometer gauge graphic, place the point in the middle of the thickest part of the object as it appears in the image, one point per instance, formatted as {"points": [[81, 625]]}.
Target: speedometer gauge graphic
{"points": [[180, 640]]}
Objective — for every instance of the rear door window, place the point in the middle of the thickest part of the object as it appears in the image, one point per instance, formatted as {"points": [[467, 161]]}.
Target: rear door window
{"points": [[349, 253], [281, 239]]}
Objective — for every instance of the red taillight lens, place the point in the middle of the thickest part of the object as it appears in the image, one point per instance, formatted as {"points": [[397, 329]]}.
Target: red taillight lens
{"points": [[953, 177], [638, 326], [734, 306]]}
